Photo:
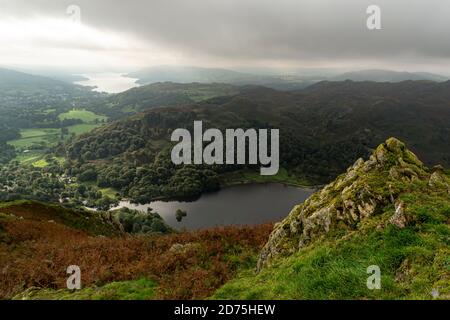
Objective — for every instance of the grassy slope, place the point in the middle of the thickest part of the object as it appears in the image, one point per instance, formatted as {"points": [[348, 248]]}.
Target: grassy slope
{"points": [[40, 138], [32, 137], [38, 242], [89, 222], [48, 136], [414, 261], [142, 289], [83, 115]]}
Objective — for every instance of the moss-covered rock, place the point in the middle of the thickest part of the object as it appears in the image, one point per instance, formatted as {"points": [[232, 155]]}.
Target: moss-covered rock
{"points": [[389, 211], [360, 193]]}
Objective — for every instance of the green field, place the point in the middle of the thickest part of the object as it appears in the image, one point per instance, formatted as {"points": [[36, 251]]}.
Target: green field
{"points": [[35, 138], [34, 133], [33, 142], [83, 115], [36, 159], [39, 138], [42, 138], [82, 128], [28, 157], [31, 147]]}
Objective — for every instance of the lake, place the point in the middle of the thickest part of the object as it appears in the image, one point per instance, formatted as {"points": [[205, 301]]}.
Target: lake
{"points": [[240, 205], [108, 82]]}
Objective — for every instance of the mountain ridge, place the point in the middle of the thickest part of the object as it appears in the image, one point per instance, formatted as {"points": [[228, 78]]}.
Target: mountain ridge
{"points": [[380, 75]]}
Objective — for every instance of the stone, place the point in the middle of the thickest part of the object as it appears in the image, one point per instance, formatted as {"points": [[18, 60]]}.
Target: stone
{"points": [[399, 218], [351, 198]]}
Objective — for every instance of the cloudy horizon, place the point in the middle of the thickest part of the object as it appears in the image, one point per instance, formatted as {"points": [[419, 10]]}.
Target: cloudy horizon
{"points": [[233, 34]]}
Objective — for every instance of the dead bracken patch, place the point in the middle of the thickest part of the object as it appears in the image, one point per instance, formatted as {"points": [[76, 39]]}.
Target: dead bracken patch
{"points": [[36, 253]]}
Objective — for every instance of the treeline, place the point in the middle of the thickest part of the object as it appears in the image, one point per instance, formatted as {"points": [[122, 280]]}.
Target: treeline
{"points": [[136, 222], [52, 183], [157, 179], [133, 156], [7, 152]]}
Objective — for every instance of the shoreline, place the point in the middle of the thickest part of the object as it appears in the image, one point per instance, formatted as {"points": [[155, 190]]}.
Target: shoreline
{"points": [[313, 188], [285, 183]]}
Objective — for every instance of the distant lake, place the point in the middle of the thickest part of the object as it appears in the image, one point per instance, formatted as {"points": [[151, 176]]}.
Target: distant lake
{"points": [[240, 205], [108, 82]]}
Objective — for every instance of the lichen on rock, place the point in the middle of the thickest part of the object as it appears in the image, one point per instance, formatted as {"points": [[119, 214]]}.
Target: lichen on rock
{"points": [[360, 193]]}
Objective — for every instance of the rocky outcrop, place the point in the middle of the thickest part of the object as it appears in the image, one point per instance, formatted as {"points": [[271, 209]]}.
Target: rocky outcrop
{"points": [[399, 218], [360, 193]]}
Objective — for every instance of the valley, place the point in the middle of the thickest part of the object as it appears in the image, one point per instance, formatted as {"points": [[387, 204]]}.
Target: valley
{"points": [[320, 251], [118, 146], [161, 230], [225, 159]]}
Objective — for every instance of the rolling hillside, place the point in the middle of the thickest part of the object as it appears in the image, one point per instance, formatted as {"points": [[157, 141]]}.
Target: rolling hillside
{"points": [[388, 76], [186, 74], [39, 241], [330, 124], [390, 211]]}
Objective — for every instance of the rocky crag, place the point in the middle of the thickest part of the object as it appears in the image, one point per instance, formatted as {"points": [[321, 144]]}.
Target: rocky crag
{"points": [[362, 192]]}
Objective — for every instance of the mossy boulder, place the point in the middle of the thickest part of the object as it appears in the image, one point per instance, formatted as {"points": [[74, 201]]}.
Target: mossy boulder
{"points": [[362, 192]]}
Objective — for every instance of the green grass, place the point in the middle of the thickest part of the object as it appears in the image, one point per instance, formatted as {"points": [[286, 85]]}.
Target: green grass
{"points": [[83, 115], [82, 128], [42, 163], [39, 138], [36, 158], [28, 157], [32, 138], [34, 133], [413, 261], [48, 111], [143, 289], [109, 192]]}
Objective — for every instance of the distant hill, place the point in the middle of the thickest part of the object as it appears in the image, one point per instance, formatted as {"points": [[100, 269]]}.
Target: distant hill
{"points": [[187, 74], [28, 101], [14, 84], [161, 94], [387, 76], [184, 74], [11, 81]]}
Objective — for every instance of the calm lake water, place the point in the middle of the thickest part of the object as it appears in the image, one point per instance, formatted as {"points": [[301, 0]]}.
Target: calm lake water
{"points": [[108, 82], [240, 205]]}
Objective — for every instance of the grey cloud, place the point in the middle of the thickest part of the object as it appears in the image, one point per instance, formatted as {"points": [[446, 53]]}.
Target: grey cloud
{"points": [[273, 30]]}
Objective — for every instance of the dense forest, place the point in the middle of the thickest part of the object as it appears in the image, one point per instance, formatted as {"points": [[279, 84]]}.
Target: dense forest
{"points": [[7, 152], [51, 183]]}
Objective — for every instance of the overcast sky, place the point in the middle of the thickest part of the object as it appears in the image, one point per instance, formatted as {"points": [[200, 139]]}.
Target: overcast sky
{"points": [[415, 34]]}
